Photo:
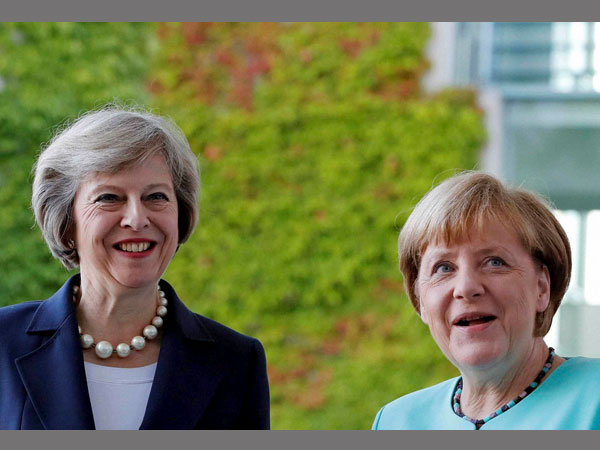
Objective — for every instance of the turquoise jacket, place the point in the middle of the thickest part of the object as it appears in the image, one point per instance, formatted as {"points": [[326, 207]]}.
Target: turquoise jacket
{"points": [[568, 400]]}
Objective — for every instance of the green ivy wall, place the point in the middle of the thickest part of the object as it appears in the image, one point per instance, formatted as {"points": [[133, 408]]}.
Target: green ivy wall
{"points": [[315, 141]]}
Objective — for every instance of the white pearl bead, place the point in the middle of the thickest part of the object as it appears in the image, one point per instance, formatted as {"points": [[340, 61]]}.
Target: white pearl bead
{"points": [[138, 342], [150, 331], [103, 349], [123, 350], [86, 341]]}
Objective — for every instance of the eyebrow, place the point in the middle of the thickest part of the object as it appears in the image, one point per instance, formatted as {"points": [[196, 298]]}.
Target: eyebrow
{"points": [[158, 185], [445, 253], [436, 255], [494, 249], [112, 187]]}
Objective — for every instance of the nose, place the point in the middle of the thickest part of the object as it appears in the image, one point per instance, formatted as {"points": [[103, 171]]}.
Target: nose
{"points": [[135, 215], [468, 285]]}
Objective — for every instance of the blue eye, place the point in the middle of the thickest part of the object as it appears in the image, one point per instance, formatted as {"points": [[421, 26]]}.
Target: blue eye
{"points": [[442, 268], [496, 262]]}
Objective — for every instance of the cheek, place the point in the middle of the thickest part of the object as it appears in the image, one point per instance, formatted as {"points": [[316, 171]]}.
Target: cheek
{"points": [[434, 303], [174, 221], [172, 228], [426, 303], [84, 226], [169, 225], [529, 296], [93, 226], [520, 306]]}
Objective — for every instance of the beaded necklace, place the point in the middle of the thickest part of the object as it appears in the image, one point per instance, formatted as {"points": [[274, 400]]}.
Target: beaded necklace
{"points": [[528, 390], [104, 349]]}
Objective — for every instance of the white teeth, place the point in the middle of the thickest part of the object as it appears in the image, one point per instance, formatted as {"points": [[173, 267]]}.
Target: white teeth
{"points": [[469, 319], [135, 248]]}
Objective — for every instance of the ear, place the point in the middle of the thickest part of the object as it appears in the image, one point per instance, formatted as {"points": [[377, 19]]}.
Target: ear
{"points": [[543, 283], [69, 233], [69, 240]]}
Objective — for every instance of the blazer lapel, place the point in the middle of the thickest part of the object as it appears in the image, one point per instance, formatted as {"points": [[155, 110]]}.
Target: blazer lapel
{"points": [[53, 374], [187, 372]]}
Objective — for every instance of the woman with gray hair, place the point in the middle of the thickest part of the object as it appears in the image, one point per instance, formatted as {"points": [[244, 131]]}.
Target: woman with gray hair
{"points": [[115, 194], [486, 267]]}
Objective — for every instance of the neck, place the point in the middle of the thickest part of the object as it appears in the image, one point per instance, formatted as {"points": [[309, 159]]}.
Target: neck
{"points": [[485, 390], [114, 312]]}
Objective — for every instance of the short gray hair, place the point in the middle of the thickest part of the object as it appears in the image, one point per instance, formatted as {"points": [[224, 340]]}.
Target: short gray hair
{"points": [[108, 140]]}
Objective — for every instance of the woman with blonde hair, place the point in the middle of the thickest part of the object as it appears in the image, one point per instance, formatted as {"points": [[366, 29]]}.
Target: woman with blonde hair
{"points": [[486, 267]]}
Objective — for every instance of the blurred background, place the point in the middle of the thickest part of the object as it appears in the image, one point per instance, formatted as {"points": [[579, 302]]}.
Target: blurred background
{"points": [[315, 141]]}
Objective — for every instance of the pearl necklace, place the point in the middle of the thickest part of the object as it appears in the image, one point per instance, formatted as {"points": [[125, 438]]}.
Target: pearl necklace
{"points": [[104, 349]]}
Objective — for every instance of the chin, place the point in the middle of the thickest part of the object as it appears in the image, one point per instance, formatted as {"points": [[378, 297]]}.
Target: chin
{"points": [[477, 355], [136, 280]]}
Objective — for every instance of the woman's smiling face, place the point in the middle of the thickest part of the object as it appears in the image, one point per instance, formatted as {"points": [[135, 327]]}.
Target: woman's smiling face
{"points": [[126, 224], [480, 297]]}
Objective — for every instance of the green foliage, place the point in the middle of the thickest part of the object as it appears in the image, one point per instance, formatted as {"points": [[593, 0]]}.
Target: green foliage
{"points": [[315, 142], [50, 72]]}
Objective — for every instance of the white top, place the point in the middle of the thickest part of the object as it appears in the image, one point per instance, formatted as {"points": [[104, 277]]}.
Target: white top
{"points": [[119, 396]]}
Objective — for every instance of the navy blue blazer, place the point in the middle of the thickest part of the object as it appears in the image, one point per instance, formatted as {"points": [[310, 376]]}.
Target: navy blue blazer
{"points": [[207, 377]]}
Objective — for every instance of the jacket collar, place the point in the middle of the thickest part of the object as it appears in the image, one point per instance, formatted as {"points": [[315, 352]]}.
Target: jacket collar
{"points": [[52, 313], [188, 323], [53, 373], [188, 371]]}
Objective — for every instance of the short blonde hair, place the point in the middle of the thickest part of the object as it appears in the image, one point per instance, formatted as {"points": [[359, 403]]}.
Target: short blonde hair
{"points": [[462, 205], [108, 140]]}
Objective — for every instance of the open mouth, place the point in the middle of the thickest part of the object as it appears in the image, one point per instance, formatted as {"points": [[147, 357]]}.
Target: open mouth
{"points": [[473, 320], [135, 247]]}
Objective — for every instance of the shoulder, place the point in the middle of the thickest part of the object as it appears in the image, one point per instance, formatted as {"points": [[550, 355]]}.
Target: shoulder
{"points": [[226, 336], [407, 411], [14, 322], [17, 317], [574, 381], [200, 328], [578, 367], [569, 399], [582, 363]]}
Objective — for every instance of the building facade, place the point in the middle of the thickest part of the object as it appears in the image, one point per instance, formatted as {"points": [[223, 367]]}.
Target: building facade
{"points": [[539, 84]]}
